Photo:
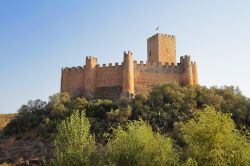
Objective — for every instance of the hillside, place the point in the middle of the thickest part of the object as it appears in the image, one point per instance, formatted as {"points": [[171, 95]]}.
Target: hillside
{"points": [[30, 136], [5, 119]]}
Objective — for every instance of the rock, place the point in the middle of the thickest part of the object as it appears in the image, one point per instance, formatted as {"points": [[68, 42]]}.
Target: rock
{"points": [[28, 152]]}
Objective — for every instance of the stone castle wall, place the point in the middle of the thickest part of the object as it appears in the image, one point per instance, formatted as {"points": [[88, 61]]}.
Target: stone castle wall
{"points": [[109, 75], [113, 81], [73, 81], [106, 78], [148, 75]]}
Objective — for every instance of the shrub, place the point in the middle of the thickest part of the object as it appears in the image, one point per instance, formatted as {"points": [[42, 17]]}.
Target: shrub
{"points": [[138, 145], [73, 142], [212, 139], [59, 104]]}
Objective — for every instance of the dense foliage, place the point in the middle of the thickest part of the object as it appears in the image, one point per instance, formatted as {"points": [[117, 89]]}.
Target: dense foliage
{"points": [[212, 139], [74, 144], [138, 145], [172, 110]]}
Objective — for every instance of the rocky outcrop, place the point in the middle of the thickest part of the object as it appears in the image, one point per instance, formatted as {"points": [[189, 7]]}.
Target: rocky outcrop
{"points": [[25, 152]]}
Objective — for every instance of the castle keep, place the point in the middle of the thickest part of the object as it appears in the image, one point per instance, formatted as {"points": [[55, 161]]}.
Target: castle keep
{"points": [[130, 77]]}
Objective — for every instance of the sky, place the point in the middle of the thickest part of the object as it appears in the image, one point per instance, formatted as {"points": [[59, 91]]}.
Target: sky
{"points": [[38, 38]]}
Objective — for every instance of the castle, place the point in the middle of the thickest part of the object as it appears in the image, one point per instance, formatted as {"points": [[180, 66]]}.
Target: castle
{"points": [[130, 77]]}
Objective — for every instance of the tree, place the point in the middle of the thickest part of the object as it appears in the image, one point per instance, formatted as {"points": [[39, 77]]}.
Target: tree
{"points": [[74, 144], [122, 113], [212, 139], [58, 104], [80, 103], [138, 145]]}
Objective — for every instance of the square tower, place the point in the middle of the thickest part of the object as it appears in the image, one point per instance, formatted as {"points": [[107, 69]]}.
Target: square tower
{"points": [[161, 48]]}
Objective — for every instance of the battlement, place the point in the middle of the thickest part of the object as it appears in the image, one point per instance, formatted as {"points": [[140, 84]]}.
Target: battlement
{"points": [[91, 58], [185, 58], [141, 63], [193, 62], [161, 35], [68, 69], [125, 53], [108, 65], [163, 67], [91, 62]]}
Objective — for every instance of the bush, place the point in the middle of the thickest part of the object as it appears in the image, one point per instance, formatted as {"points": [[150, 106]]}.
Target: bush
{"points": [[28, 118], [138, 145], [73, 142], [59, 104], [98, 108], [212, 139]]}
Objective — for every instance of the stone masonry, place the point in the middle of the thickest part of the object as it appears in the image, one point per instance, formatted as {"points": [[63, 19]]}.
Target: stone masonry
{"points": [[130, 77]]}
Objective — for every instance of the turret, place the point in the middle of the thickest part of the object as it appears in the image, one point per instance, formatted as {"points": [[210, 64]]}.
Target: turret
{"points": [[161, 48], [195, 73], [90, 74], [187, 73], [128, 74]]}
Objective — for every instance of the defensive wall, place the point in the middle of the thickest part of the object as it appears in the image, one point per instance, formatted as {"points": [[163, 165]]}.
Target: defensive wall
{"points": [[130, 77]]}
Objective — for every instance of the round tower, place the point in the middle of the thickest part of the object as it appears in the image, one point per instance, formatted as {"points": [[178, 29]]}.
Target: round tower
{"points": [[128, 74], [187, 73], [90, 74], [195, 73]]}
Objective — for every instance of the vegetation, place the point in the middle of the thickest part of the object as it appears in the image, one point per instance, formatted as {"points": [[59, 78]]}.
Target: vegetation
{"points": [[173, 124], [212, 139], [74, 144], [138, 145], [5, 119]]}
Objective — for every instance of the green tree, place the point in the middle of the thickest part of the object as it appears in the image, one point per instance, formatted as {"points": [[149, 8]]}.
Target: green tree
{"points": [[212, 139], [138, 145], [80, 103], [121, 114], [74, 144], [58, 104]]}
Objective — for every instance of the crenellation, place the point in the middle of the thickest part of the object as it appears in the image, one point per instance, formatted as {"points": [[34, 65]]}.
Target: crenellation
{"points": [[79, 67], [185, 58], [131, 76], [91, 58], [152, 37], [66, 69], [181, 58]]}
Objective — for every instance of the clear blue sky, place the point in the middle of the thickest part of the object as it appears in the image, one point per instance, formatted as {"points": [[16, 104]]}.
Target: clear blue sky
{"points": [[37, 38]]}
